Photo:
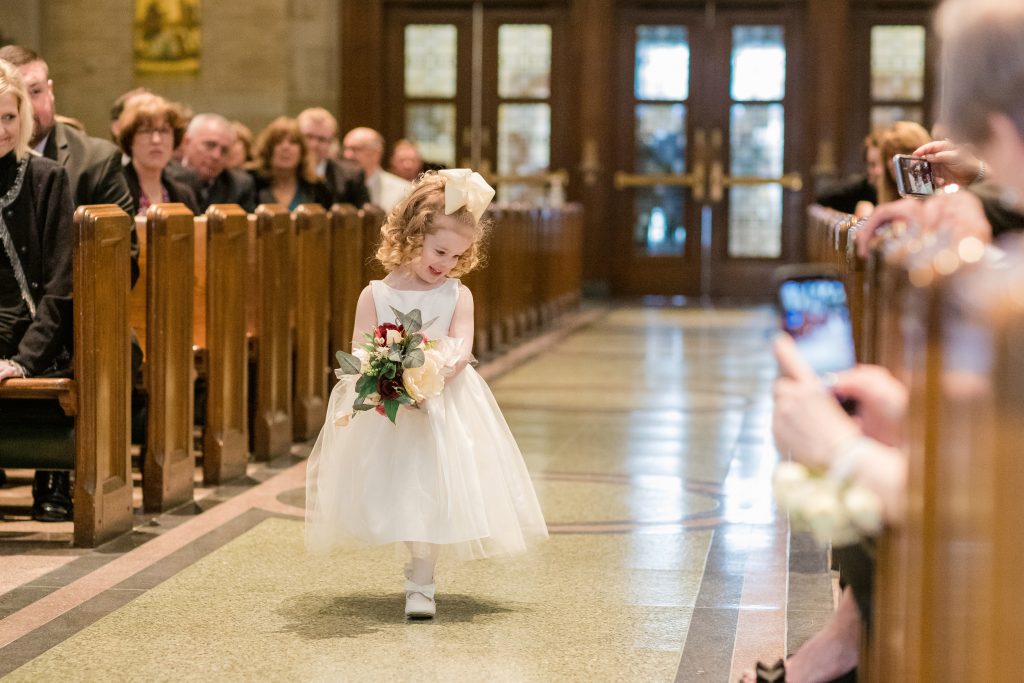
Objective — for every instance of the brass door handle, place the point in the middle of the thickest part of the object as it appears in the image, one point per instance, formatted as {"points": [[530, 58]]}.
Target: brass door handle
{"points": [[696, 179], [625, 180], [791, 181], [561, 176]]}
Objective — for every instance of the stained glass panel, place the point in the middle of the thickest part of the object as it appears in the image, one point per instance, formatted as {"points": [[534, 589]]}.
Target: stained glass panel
{"points": [[430, 60], [432, 128], [883, 116], [662, 63], [758, 63], [659, 228], [524, 60], [660, 138], [524, 138], [897, 62], [755, 221], [756, 139]]}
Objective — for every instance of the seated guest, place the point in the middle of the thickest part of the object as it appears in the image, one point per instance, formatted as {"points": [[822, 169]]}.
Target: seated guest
{"points": [[150, 129], [407, 162], [36, 242], [205, 150], [902, 137], [283, 168], [859, 195], [241, 150], [366, 147], [811, 427], [93, 165], [343, 177], [117, 109], [94, 173]]}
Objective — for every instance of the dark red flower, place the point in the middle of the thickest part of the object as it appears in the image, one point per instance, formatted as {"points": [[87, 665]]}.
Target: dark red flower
{"points": [[381, 332], [389, 388]]}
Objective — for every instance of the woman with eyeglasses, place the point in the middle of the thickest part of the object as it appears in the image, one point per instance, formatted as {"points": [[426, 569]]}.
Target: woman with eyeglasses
{"points": [[151, 128]]}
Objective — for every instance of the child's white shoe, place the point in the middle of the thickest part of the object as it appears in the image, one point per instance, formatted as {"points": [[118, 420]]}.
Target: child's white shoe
{"points": [[419, 601]]}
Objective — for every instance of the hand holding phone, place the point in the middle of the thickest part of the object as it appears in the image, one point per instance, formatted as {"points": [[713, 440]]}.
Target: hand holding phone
{"points": [[914, 176], [812, 302]]}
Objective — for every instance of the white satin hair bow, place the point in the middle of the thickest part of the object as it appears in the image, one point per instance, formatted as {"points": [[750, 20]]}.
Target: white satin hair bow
{"points": [[466, 188]]}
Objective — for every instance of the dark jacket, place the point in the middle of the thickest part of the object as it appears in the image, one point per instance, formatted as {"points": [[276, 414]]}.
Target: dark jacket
{"points": [[39, 222], [305, 193], [1001, 217], [230, 187], [845, 197], [347, 183], [94, 174], [177, 191]]}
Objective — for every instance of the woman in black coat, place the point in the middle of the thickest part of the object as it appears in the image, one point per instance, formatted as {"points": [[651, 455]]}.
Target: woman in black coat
{"points": [[151, 128], [36, 244], [283, 169]]}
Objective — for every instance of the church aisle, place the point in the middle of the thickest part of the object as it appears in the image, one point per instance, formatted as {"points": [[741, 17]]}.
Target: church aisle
{"points": [[647, 436]]}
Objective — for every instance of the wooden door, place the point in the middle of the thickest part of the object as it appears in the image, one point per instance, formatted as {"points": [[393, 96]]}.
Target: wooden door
{"points": [[709, 192], [482, 88]]}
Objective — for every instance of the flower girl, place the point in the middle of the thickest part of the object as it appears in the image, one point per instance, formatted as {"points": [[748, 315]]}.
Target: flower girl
{"points": [[446, 471]]}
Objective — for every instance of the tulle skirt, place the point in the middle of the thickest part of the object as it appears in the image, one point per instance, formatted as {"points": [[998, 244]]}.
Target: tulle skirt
{"points": [[448, 473]]}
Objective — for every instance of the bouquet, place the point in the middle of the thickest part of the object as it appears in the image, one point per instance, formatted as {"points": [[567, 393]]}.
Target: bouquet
{"points": [[396, 366], [831, 509]]}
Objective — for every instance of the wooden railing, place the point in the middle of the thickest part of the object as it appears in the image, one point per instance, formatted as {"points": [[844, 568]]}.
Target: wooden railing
{"points": [[946, 316]]}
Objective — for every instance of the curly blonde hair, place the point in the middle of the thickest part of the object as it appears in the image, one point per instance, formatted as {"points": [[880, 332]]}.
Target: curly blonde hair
{"points": [[412, 219]]}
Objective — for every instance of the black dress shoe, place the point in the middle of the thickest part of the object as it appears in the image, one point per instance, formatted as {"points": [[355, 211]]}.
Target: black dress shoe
{"points": [[51, 496]]}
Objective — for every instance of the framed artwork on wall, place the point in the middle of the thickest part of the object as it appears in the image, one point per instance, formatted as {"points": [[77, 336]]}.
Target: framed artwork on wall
{"points": [[167, 36]]}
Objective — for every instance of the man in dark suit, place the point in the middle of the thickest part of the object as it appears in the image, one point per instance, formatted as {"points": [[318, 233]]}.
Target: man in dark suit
{"points": [[205, 151], [344, 178], [94, 173]]}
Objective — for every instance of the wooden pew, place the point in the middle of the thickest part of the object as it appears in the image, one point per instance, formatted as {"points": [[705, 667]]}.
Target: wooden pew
{"points": [[169, 467], [346, 275], [96, 446], [270, 259], [220, 338], [373, 219], [312, 311]]}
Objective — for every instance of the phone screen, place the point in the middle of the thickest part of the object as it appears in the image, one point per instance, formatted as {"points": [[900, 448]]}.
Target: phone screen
{"points": [[815, 314], [913, 176]]}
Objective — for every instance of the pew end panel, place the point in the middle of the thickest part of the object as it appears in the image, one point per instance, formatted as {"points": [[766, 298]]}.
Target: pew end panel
{"points": [[83, 424], [312, 312], [272, 423], [226, 433], [169, 467], [346, 274]]}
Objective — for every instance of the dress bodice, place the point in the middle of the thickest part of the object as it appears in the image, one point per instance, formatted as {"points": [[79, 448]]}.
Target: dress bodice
{"points": [[436, 304]]}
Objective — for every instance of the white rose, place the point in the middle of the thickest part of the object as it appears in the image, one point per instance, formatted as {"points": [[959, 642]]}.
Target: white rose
{"points": [[364, 359], [425, 381], [394, 337], [864, 509], [788, 480], [824, 514]]}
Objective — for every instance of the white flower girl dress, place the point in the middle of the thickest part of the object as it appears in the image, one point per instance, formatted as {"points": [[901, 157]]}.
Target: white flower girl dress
{"points": [[448, 473]]}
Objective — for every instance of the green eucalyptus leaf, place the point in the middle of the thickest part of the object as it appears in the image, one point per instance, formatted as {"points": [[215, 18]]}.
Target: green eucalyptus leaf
{"points": [[414, 359], [366, 385], [349, 364], [391, 410]]}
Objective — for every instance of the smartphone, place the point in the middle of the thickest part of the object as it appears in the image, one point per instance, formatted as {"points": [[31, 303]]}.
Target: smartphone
{"points": [[913, 176], [812, 303]]}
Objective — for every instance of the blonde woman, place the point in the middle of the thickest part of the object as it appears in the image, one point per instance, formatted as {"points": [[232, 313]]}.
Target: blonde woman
{"points": [[35, 272]]}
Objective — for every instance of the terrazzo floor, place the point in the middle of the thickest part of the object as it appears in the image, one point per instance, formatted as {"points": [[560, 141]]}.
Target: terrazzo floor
{"points": [[647, 434]]}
